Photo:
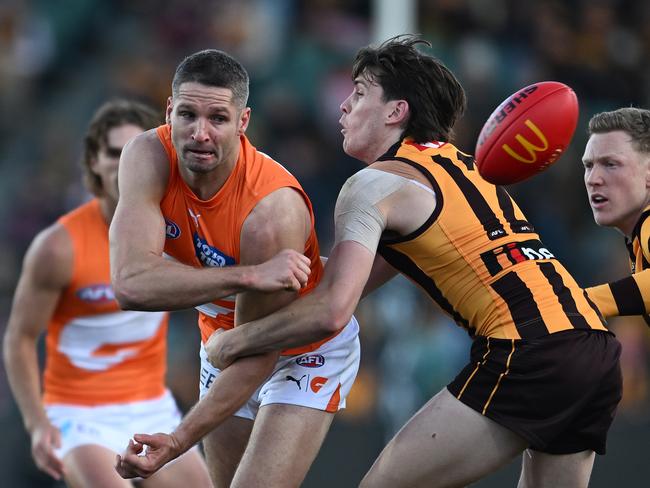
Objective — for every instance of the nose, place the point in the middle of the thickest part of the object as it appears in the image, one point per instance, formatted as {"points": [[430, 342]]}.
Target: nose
{"points": [[345, 106], [200, 133], [593, 176]]}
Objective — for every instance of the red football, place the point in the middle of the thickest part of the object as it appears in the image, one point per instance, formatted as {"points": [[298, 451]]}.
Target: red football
{"points": [[527, 133]]}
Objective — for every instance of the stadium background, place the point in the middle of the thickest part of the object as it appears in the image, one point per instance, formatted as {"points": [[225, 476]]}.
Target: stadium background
{"points": [[60, 60]]}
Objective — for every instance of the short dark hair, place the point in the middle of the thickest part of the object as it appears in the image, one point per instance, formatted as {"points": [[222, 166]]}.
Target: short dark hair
{"points": [[633, 121], [436, 98], [114, 113], [212, 67]]}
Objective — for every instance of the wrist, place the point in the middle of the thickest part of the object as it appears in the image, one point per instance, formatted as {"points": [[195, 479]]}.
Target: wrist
{"points": [[248, 278], [36, 422], [180, 443]]}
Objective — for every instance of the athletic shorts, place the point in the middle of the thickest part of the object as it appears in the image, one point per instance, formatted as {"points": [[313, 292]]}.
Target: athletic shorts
{"points": [[559, 391], [112, 426], [319, 379]]}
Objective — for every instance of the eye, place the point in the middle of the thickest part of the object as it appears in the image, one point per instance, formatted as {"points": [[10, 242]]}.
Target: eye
{"points": [[113, 152], [185, 114]]}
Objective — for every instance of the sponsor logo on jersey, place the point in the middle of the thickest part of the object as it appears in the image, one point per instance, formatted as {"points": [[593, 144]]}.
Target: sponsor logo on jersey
{"points": [[209, 255], [311, 361], [317, 383], [172, 231], [96, 293], [507, 255]]}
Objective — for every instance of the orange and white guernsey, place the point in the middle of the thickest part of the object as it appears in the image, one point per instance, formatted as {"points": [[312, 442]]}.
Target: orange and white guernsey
{"points": [[98, 354], [207, 232]]}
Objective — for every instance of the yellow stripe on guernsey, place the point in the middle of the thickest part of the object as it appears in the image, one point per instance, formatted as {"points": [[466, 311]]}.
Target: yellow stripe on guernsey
{"points": [[479, 258]]}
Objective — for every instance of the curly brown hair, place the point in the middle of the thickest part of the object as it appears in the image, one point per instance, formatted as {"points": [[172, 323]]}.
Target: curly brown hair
{"points": [[111, 114], [436, 98]]}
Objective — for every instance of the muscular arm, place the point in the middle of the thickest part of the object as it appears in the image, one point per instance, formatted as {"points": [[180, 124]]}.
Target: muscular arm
{"points": [[381, 273], [142, 278], [279, 221], [311, 318], [46, 272], [330, 306]]}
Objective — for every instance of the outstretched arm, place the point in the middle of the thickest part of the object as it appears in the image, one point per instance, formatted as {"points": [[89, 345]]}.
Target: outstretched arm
{"points": [[46, 272], [279, 221], [630, 295], [142, 278], [360, 219], [627, 296]]}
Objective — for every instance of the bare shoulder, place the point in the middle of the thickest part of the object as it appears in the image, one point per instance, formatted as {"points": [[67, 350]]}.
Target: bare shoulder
{"points": [[49, 259], [144, 165], [284, 208]]}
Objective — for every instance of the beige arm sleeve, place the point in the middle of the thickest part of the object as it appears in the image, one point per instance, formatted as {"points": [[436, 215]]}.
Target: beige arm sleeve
{"points": [[357, 216]]}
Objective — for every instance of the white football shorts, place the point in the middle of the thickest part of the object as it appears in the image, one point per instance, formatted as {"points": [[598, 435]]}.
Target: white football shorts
{"points": [[112, 426], [319, 379]]}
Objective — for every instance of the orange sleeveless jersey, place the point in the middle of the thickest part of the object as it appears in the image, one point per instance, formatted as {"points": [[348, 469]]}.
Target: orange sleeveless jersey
{"points": [[479, 258], [207, 232], [96, 353]]}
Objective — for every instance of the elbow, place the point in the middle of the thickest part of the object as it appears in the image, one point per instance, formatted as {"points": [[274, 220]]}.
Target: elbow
{"points": [[333, 320], [128, 295]]}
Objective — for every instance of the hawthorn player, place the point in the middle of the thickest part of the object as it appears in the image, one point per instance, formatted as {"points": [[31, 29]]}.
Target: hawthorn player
{"points": [[617, 177], [421, 208]]}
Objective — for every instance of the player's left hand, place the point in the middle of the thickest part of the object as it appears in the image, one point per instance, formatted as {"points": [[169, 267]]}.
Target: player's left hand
{"points": [[160, 449], [218, 347]]}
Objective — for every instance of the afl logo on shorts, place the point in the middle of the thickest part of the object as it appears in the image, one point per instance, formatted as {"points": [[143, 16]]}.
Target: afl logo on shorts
{"points": [[96, 294], [311, 361], [172, 231]]}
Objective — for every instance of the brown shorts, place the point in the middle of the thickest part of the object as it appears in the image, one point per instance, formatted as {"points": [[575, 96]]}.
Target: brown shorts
{"points": [[560, 391]]}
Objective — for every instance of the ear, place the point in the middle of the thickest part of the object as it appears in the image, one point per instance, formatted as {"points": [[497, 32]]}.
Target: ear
{"points": [[647, 172], [168, 110], [92, 164], [244, 119], [398, 112]]}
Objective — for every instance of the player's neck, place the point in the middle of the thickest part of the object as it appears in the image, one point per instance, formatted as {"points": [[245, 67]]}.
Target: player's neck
{"points": [[107, 206], [381, 147]]}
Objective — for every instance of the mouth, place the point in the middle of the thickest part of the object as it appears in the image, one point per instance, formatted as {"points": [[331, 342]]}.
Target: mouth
{"points": [[597, 200], [199, 153]]}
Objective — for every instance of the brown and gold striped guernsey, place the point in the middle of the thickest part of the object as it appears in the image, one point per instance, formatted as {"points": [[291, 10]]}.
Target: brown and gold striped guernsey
{"points": [[479, 258], [630, 295]]}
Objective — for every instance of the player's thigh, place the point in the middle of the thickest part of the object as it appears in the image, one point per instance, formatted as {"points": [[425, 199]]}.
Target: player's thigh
{"points": [[445, 444], [224, 447], [284, 442], [92, 465], [188, 470], [542, 470]]}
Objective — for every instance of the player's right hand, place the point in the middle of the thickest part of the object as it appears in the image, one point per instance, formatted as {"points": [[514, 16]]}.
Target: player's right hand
{"points": [[138, 462], [45, 439], [288, 270]]}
